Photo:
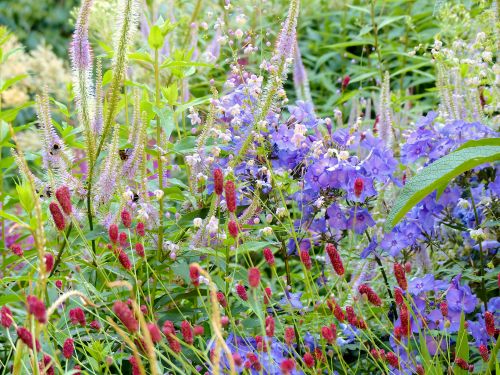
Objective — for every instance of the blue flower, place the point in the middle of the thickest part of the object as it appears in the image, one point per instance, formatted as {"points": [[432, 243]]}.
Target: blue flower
{"points": [[359, 220]]}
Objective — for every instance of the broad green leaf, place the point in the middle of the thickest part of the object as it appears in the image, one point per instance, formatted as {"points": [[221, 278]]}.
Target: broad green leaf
{"points": [[437, 174], [166, 118]]}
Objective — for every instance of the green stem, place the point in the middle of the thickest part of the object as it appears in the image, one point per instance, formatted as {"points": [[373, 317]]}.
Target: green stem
{"points": [[160, 161]]}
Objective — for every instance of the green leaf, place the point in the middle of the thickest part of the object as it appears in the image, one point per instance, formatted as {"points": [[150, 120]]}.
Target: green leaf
{"points": [[11, 81], [437, 174], [462, 349], [166, 119], [155, 38]]}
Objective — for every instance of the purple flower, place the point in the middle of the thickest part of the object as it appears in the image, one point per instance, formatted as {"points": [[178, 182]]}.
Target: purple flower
{"points": [[394, 242], [336, 217], [359, 220]]}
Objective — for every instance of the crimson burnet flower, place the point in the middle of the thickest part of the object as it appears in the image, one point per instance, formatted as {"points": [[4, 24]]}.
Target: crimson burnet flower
{"points": [[57, 215], [45, 365], [404, 317], [68, 348], [224, 321], [361, 324], [305, 258], [370, 293], [398, 296], [498, 280], [359, 185], [126, 316], [287, 366], [289, 335], [328, 334], [113, 233], [16, 249], [139, 249], [443, 306], [489, 321], [27, 338], [232, 227], [335, 259], [77, 316], [77, 368], [378, 354], [59, 284], [187, 332], [392, 359], [94, 324], [168, 330], [345, 82], [36, 307], [63, 196], [407, 267], [198, 330], [218, 181], [135, 365], [140, 229], [124, 259], [351, 316], [222, 299], [269, 326], [194, 275], [154, 332], [242, 292], [5, 317], [269, 256], [399, 272], [308, 360], [267, 295], [126, 219], [419, 369], [123, 239], [49, 262], [253, 277], [485, 354], [230, 191], [462, 363], [238, 361]]}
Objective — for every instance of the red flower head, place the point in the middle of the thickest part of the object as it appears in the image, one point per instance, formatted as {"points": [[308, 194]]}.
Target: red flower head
{"points": [[305, 258], [194, 275], [113, 233], [27, 338], [483, 350], [268, 293], [139, 249], [335, 259], [329, 334], [443, 306], [187, 332], [169, 331], [242, 292], [370, 293], [398, 296], [123, 239], [404, 317], [45, 365], [489, 320], [49, 262], [77, 316], [287, 366], [126, 316], [269, 326], [351, 316], [94, 324], [238, 361], [126, 219], [462, 363], [68, 348], [17, 250], [154, 332], [63, 196], [232, 227], [359, 185], [135, 365], [269, 256], [392, 359], [198, 330], [57, 215], [124, 259], [5, 317], [253, 277], [419, 370], [218, 181], [140, 229], [308, 360], [230, 190], [37, 308], [222, 299], [345, 82], [59, 284], [399, 272], [289, 335]]}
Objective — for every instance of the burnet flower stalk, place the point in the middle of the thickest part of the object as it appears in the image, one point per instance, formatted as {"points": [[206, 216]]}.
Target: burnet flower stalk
{"points": [[281, 60]]}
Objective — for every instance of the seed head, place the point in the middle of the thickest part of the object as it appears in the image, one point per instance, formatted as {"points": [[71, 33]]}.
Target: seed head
{"points": [[113, 233]]}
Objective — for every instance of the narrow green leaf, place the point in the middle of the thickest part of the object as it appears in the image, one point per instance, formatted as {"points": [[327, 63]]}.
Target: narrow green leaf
{"points": [[462, 348]]}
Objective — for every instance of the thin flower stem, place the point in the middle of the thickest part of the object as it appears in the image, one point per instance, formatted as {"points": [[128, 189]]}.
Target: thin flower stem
{"points": [[158, 143]]}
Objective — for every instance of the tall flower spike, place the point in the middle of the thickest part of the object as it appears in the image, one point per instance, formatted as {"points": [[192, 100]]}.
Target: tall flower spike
{"points": [[81, 62], [300, 80], [136, 157], [99, 100], [385, 112]]}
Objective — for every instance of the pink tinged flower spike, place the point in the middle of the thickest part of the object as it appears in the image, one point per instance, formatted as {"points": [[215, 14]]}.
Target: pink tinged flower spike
{"points": [[63, 196], [232, 228], [289, 335], [305, 259], [485, 354], [27, 338], [328, 334], [287, 366], [489, 321], [126, 218], [268, 293], [398, 296], [45, 365], [68, 348], [123, 239], [308, 360], [345, 82], [5, 317], [392, 359], [139, 249], [140, 229], [187, 332], [222, 299], [94, 324], [335, 259], [198, 330], [241, 292], [37, 308], [443, 306], [254, 277], [17, 249], [359, 185], [124, 259], [230, 191], [154, 332], [126, 316], [57, 216]]}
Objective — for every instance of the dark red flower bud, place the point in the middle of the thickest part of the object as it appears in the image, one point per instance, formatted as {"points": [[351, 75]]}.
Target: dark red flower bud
{"points": [[57, 215], [222, 299], [187, 332], [328, 334], [77, 368], [198, 330], [218, 181], [407, 267], [289, 335], [242, 292], [253, 277], [59, 284], [308, 360], [17, 250], [443, 306], [230, 190], [269, 256], [139, 249], [404, 317], [154, 332], [345, 82], [232, 227], [224, 321], [194, 275], [94, 324], [359, 185], [123, 239], [269, 326], [485, 354], [305, 258], [27, 338], [398, 296], [392, 359], [140, 229], [399, 272], [268, 293], [351, 316], [77, 316], [124, 259], [113, 233], [5, 317], [68, 348], [335, 259], [49, 262], [63, 196], [37, 308], [419, 370], [370, 293], [126, 316], [238, 361], [489, 321], [126, 218], [45, 365], [462, 363], [287, 366]]}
